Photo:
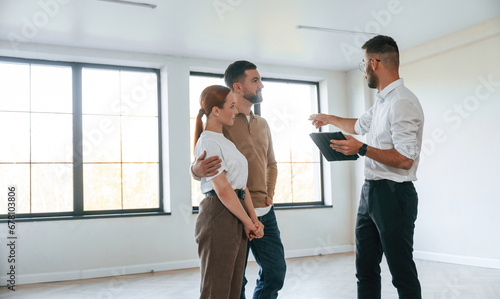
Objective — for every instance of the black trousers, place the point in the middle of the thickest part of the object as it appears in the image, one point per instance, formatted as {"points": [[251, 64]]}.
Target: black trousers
{"points": [[385, 225]]}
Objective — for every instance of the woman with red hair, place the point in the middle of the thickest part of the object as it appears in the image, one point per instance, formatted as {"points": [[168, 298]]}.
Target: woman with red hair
{"points": [[227, 217]]}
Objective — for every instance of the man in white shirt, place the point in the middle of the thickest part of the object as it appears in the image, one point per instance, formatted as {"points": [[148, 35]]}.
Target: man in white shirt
{"points": [[388, 205]]}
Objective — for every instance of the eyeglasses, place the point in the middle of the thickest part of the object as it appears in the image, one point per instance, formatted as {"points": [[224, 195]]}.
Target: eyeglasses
{"points": [[362, 64]]}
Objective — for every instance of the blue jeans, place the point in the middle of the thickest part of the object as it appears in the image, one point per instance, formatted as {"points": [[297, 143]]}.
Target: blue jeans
{"points": [[270, 256]]}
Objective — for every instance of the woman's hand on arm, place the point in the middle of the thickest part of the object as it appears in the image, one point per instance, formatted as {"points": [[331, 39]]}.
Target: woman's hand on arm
{"points": [[230, 200], [259, 233]]}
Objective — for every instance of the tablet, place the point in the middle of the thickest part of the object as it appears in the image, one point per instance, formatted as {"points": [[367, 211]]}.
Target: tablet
{"points": [[322, 141]]}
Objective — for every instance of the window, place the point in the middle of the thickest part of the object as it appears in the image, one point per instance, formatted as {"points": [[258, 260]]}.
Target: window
{"points": [[83, 139], [286, 107], [198, 82]]}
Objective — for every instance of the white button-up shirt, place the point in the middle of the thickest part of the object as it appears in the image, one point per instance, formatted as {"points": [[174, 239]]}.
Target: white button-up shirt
{"points": [[395, 121]]}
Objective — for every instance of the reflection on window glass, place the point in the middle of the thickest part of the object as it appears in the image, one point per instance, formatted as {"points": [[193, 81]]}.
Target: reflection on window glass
{"points": [[51, 137], [303, 187], [36, 114], [120, 140], [286, 107], [140, 186], [101, 138], [140, 139], [51, 188], [100, 91], [283, 186], [14, 86], [40, 116], [139, 94], [51, 89], [102, 187], [19, 175], [16, 138]]}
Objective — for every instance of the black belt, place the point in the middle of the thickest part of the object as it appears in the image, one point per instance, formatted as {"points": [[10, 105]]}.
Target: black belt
{"points": [[385, 180], [239, 192]]}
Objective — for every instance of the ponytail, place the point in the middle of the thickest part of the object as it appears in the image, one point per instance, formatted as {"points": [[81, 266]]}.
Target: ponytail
{"points": [[212, 96], [198, 127]]}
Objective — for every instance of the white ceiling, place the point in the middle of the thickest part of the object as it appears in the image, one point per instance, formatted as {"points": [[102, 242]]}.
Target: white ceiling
{"points": [[256, 30]]}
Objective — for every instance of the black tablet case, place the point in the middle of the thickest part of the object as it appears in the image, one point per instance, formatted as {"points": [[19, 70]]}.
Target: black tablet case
{"points": [[322, 140]]}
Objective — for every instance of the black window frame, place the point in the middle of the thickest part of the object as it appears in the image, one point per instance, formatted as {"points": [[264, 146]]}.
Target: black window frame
{"points": [[78, 210], [257, 111]]}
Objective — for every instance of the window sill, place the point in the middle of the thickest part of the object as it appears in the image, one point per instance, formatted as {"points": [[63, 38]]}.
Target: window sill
{"points": [[96, 216], [302, 206], [288, 207]]}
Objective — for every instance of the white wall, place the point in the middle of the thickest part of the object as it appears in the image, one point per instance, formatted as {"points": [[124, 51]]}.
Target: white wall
{"points": [[458, 195], [458, 173], [458, 176], [73, 249], [360, 99]]}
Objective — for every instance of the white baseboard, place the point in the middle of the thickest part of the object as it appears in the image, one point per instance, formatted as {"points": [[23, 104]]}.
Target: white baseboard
{"points": [[145, 268], [136, 269], [101, 272], [318, 251], [457, 259]]}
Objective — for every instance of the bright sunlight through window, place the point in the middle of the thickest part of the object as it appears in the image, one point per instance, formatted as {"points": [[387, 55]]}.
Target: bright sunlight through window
{"points": [[286, 107]]}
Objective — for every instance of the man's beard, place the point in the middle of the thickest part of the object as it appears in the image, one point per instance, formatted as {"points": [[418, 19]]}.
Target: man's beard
{"points": [[254, 99], [371, 78]]}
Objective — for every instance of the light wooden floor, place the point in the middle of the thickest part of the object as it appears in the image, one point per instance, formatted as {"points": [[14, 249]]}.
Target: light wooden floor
{"points": [[321, 277]]}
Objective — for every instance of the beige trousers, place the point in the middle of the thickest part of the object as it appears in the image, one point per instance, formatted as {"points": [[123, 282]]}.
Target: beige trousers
{"points": [[222, 246]]}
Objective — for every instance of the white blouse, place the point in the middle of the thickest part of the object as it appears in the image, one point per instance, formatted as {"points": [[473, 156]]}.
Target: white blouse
{"points": [[233, 162]]}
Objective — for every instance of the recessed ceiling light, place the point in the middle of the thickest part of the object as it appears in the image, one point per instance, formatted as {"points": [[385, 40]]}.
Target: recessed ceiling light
{"points": [[153, 6]]}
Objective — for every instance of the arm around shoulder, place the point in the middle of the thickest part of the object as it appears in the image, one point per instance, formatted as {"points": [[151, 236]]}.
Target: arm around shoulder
{"points": [[202, 167]]}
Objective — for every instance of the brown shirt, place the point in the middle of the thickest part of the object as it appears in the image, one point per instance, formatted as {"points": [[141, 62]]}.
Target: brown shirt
{"points": [[253, 140]]}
